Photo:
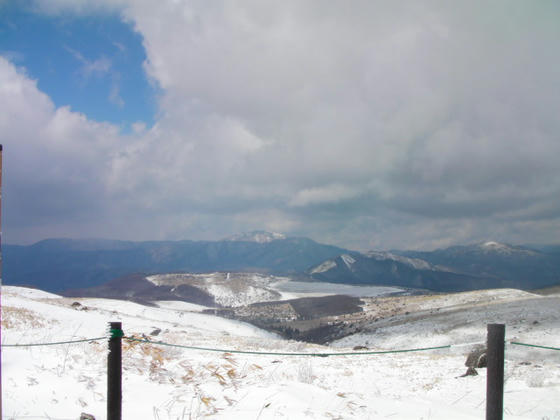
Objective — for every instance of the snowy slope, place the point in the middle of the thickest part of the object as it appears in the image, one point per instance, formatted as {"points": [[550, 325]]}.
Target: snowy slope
{"points": [[227, 289], [448, 319], [173, 383]]}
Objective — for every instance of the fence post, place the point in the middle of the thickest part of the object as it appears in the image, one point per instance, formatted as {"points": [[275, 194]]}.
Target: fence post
{"points": [[114, 372], [495, 372], [1, 417]]}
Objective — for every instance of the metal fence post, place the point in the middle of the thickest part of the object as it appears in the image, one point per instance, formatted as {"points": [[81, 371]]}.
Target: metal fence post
{"points": [[495, 372], [114, 372]]}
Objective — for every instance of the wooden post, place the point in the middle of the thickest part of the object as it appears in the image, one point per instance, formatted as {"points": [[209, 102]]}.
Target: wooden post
{"points": [[114, 372], [1, 280], [495, 372]]}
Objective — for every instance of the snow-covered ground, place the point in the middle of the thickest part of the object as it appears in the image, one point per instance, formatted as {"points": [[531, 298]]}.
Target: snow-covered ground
{"points": [[162, 382], [240, 289], [227, 289]]}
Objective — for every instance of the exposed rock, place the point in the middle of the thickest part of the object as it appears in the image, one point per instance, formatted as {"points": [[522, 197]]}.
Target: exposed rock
{"points": [[470, 372], [85, 416], [360, 348], [477, 357]]}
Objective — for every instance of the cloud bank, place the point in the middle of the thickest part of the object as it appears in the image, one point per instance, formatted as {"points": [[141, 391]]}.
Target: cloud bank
{"points": [[368, 125]]}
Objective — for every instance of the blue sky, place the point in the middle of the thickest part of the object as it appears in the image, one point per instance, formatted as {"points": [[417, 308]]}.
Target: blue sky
{"points": [[92, 63], [367, 124]]}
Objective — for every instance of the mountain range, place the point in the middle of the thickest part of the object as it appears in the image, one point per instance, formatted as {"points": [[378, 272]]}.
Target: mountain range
{"points": [[57, 265]]}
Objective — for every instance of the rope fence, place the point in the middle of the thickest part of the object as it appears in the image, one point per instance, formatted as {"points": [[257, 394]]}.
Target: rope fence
{"points": [[261, 353], [55, 343], [118, 333], [533, 345], [495, 345]]}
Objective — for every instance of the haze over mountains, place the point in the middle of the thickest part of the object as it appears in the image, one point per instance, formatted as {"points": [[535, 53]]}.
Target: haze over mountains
{"points": [[61, 264]]}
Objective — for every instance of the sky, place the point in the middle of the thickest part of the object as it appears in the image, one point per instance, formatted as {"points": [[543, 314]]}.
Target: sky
{"points": [[364, 124]]}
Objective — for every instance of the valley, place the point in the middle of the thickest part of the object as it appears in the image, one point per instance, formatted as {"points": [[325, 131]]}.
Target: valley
{"points": [[325, 313]]}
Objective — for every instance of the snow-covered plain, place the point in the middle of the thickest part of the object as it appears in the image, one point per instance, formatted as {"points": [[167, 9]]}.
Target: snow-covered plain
{"points": [[162, 382]]}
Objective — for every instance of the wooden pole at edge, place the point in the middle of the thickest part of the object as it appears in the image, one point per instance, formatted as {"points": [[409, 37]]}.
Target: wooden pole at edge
{"points": [[495, 372], [114, 372], [1, 280]]}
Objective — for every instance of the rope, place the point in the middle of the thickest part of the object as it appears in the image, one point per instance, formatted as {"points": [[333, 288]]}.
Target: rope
{"points": [[119, 333], [534, 345], [87, 340], [161, 343]]}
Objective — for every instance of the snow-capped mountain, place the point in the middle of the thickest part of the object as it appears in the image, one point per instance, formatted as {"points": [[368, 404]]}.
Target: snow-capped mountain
{"points": [[514, 266], [496, 248], [259, 236], [412, 262], [483, 265], [75, 264], [389, 269]]}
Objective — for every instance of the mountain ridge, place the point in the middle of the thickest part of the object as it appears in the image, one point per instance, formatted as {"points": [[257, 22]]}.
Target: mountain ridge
{"points": [[61, 264]]}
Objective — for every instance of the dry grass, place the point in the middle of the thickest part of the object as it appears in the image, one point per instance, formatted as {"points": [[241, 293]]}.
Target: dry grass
{"points": [[13, 317]]}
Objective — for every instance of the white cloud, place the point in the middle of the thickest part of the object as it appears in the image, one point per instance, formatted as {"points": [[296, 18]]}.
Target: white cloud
{"points": [[54, 159], [345, 122], [328, 194]]}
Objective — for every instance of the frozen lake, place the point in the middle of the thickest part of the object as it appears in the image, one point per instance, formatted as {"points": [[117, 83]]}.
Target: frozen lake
{"points": [[319, 288]]}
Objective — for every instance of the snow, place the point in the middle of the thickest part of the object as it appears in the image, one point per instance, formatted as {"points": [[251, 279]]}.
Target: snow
{"points": [[258, 236], [326, 266], [223, 295], [228, 289], [172, 383], [499, 248], [413, 262], [180, 306], [27, 292], [348, 260]]}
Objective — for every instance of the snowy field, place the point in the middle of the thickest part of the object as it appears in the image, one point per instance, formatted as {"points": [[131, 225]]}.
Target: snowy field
{"points": [[163, 382]]}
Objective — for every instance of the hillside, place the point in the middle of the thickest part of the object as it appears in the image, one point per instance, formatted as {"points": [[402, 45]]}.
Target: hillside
{"points": [[61, 381], [514, 266], [458, 268]]}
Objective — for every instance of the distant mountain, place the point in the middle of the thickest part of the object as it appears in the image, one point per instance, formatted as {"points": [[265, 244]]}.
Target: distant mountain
{"points": [[513, 266], [458, 268], [259, 236], [59, 264], [384, 268], [547, 249]]}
